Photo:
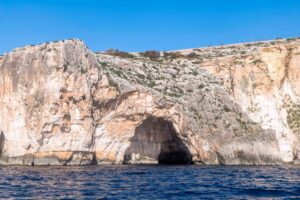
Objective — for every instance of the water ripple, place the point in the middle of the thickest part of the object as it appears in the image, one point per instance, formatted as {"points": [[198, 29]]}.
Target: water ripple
{"points": [[150, 182]]}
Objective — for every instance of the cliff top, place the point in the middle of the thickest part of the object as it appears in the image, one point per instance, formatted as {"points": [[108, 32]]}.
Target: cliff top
{"points": [[200, 54], [240, 47], [247, 44], [57, 42]]}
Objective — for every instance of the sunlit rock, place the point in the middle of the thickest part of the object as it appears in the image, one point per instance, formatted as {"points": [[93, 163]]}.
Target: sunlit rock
{"points": [[61, 104]]}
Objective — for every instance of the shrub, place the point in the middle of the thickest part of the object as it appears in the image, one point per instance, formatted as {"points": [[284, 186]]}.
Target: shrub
{"points": [[116, 52], [257, 61], [172, 55], [291, 39], [153, 55], [192, 55]]}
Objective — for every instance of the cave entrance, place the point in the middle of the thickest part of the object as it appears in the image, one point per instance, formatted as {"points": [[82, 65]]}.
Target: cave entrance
{"points": [[156, 141]]}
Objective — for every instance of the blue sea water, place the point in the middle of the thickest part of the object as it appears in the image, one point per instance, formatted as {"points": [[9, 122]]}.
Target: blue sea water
{"points": [[150, 182]]}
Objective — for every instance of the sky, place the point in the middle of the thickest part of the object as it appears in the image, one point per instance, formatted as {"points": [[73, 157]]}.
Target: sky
{"points": [[139, 25]]}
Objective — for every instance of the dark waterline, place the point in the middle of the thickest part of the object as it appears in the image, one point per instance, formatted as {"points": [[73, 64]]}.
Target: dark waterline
{"points": [[151, 182]]}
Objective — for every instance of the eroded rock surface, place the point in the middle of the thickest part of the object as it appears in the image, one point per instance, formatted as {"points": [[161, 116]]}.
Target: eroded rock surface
{"points": [[60, 104], [263, 79]]}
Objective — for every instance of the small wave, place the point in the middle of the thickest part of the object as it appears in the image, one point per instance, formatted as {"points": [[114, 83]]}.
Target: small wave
{"points": [[260, 192], [150, 182]]}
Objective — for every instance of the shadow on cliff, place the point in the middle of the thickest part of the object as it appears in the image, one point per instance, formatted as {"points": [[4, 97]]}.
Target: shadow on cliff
{"points": [[156, 141], [2, 140]]}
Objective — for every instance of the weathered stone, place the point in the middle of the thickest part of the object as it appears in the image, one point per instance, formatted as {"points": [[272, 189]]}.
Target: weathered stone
{"points": [[263, 79], [60, 104]]}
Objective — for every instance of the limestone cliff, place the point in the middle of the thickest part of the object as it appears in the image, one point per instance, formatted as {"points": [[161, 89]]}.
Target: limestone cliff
{"points": [[263, 79], [61, 104]]}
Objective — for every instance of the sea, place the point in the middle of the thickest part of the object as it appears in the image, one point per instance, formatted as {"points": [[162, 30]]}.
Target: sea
{"points": [[150, 182]]}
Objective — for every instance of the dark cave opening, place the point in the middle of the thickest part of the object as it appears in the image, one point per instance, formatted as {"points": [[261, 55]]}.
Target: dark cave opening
{"points": [[156, 142]]}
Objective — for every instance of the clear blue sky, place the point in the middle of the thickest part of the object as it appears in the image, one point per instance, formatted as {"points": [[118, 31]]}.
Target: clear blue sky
{"points": [[137, 25]]}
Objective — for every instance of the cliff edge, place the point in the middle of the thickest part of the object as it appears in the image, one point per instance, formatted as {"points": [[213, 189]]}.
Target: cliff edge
{"points": [[62, 104]]}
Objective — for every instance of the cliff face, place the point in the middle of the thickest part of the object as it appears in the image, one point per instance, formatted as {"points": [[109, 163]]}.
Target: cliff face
{"points": [[60, 104], [263, 79], [46, 95]]}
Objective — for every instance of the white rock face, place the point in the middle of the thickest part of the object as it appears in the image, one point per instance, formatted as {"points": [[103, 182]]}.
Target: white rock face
{"points": [[263, 78], [60, 104]]}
